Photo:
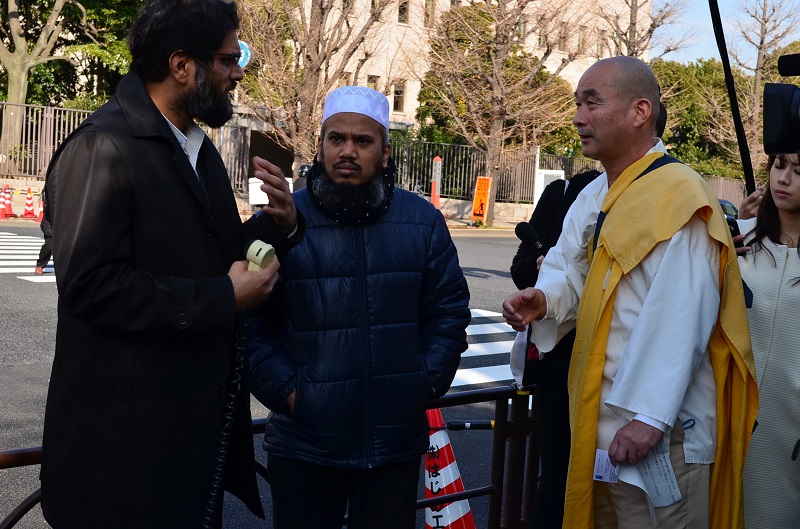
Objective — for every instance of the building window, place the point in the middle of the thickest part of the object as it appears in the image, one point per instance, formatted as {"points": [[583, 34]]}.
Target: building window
{"points": [[402, 12], [522, 29], [542, 38], [581, 39], [562, 37], [601, 43], [372, 81], [430, 11], [399, 96]]}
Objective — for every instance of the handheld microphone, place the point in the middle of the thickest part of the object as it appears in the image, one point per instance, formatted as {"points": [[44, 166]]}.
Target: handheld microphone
{"points": [[528, 235], [259, 254]]}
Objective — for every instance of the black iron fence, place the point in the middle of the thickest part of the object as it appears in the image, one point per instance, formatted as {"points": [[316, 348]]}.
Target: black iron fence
{"points": [[514, 461], [462, 164], [31, 134]]}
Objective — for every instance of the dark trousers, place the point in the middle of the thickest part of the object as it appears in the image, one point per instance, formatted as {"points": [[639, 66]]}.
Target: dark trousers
{"points": [[309, 496], [46, 252], [551, 406]]}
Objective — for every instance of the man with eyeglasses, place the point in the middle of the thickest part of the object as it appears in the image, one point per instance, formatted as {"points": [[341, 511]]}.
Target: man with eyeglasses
{"points": [[148, 415]]}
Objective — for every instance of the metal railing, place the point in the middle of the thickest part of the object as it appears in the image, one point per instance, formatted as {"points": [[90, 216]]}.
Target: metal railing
{"points": [[30, 136], [462, 164], [514, 460]]}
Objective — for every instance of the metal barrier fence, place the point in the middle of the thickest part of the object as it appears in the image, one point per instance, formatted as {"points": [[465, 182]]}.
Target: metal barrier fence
{"points": [[30, 136], [514, 461], [462, 164]]}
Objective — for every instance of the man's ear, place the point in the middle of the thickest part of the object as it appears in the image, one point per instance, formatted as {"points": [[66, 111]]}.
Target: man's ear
{"points": [[643, 111], [318, 157], [387, 151], [182, 67]]}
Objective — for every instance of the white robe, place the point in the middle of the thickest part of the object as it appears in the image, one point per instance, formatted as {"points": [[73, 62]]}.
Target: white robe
{"points": [[657, 369]]}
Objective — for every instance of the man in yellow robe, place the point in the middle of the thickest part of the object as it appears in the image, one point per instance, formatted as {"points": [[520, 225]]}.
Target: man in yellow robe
{"points": [[662, 368]]}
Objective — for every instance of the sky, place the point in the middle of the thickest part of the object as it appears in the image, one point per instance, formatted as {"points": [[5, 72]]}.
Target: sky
{"points": [[698, 19]]}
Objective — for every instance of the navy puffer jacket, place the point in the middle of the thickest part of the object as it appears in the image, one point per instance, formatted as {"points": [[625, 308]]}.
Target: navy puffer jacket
{"points": [[368, 323]]}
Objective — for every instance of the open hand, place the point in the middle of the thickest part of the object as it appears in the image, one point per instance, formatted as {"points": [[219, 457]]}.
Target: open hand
{"points": [[281, 204], [524, 306]]}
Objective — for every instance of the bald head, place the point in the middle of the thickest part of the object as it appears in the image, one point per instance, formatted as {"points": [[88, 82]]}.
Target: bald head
{"points": [[617, 103], [633, 79]]}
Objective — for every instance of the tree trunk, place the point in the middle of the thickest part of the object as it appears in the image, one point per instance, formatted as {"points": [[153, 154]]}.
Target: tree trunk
{"points": [[10, 141]]}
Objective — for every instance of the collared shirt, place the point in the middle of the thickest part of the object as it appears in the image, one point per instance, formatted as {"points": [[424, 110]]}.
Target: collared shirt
{"points": [[657, 367], [189, 142]]}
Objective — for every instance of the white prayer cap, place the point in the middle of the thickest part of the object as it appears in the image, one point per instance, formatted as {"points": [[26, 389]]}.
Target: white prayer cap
{"points": [[360, 100]]}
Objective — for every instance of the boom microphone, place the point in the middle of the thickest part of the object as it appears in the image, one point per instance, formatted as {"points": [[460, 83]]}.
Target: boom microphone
{"points": [[528, 235]]}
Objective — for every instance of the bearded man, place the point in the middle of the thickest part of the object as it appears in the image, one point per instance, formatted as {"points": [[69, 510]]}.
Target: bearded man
{"points": [[148, 410], [366, 325]]}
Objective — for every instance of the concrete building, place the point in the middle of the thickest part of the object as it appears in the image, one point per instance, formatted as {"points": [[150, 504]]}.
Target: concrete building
{"points": [[399, 47]]}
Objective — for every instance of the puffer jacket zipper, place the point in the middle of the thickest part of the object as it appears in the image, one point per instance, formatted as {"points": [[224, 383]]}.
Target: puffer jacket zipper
{"points": [[363, 341]]}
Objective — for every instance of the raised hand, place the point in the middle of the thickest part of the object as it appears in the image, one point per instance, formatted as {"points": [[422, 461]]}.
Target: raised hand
{"points": [[281, 204]]}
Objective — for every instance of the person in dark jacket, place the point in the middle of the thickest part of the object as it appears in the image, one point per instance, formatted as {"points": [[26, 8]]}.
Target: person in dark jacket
{"points": [[366, 325], [148, 369], [551, 400], [46, 251]]}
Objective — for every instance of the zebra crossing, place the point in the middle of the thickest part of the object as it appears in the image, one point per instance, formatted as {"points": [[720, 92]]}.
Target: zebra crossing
{"points": [[18, 255], [484, 362]]}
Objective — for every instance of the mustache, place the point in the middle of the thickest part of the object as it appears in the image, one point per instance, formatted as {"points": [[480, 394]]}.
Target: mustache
{"points": [[347, 163]]}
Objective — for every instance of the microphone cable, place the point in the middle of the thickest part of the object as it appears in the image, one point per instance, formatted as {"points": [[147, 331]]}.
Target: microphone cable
{"points": [[228, 422]]}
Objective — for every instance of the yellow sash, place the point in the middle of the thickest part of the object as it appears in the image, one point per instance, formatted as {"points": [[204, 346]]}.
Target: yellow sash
{"points": [[657, 206]]}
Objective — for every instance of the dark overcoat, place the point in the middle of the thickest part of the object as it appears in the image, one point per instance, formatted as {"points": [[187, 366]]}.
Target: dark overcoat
{"points": [[146, 324]]}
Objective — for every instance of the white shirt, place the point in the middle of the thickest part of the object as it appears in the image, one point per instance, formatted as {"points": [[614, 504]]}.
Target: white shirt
{"points": [[657, 367], [189, 142]]}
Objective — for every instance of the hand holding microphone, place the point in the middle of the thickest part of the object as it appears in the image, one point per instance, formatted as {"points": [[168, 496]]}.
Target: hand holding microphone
{"points": [[528, 235], [254, 279], [259, 254]]}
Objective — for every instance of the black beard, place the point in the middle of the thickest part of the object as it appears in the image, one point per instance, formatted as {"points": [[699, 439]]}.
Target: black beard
{"points": [[368, 198], [208, 102]]}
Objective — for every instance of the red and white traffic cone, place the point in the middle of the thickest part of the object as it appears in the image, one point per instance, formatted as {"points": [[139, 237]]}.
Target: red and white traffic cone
{"points": [[29, 213], [442, 477], [3, 203], [9, 211], [41, 210]]}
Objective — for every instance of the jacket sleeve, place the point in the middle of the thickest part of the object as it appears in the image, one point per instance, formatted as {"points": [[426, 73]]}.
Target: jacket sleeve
{"points": [[445, 311], [94, 218], [262, 227], [546, 222], [273, 375]]}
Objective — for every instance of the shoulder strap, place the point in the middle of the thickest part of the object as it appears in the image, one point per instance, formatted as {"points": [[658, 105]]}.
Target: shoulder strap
{"points": [[657, 164]]}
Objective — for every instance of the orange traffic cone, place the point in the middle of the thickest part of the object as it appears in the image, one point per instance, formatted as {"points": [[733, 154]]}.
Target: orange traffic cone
{"points": [[442, 477], [29, 213], [41, 210], [9, 212], [3, 203]]}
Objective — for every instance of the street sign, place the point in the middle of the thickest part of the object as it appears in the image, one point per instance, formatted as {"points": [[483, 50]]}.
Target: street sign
{"points": [[247, 54]]}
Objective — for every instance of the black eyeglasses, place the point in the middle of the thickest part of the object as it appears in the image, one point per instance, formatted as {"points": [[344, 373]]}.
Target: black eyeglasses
{"points": [[229, 60]]}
